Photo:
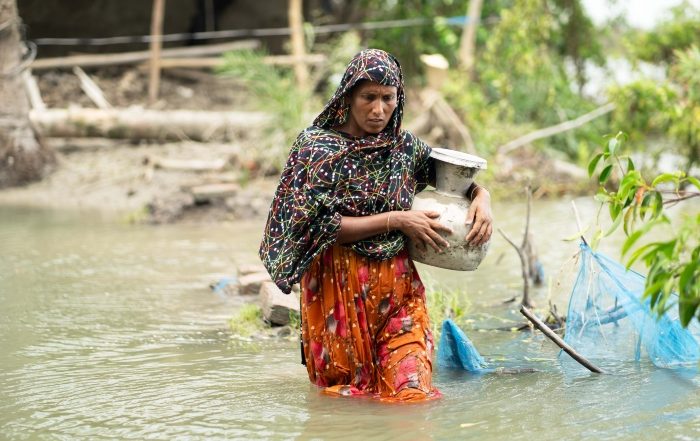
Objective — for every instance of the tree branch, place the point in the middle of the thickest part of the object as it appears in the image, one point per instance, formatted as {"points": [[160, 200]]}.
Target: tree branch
{"points": [[554, 130]]}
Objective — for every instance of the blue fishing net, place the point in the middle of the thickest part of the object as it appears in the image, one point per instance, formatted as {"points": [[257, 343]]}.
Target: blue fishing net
{"points": [[608, 318], [456, 351]]}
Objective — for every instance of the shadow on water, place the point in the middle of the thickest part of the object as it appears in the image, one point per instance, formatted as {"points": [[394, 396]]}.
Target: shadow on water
{"points": [[110, 331]]}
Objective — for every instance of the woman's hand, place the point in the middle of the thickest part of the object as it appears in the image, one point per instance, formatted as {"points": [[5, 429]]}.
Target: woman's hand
{"points": [[480, 217], [421, 227]]}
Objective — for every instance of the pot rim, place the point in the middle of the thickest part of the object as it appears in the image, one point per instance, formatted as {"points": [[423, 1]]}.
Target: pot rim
{"points": [[457, 158]]}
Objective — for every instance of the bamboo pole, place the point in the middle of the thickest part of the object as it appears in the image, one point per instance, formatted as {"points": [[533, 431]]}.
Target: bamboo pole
{"points": [[156, 44], [211, 62], [140, 56], [296, 23], [559, 342]]}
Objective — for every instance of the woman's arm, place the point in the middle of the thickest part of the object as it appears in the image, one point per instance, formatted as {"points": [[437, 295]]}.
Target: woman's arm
{"points": [[419, 226]]}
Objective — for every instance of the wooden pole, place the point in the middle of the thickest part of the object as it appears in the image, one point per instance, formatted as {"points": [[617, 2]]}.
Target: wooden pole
{"points": [[296, 23], [467, 47], [559, 342], [156, 44], [139, 56]]}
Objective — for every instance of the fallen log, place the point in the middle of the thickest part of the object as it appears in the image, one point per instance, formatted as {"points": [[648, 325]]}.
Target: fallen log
{"points": [[137, 124], [193, 165], [208, 192]]}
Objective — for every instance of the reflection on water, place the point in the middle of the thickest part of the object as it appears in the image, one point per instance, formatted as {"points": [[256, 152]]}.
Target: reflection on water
{"points": [[110, 331]]}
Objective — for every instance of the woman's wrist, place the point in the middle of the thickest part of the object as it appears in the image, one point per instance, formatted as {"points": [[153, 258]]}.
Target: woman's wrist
{"points": [[393, 221], [476, 190]]}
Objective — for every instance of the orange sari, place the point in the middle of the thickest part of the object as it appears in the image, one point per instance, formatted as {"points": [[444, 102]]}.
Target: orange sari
{"points": [[365, 327]]}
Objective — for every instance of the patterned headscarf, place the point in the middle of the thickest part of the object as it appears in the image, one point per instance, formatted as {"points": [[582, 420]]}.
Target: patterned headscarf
{"points": [[373, 65], [330, 174]]}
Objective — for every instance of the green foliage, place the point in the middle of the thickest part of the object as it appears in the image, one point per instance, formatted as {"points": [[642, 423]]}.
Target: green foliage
{"points": [[408, 43], [671, 108], [277, 93], [247, 321], [641, 106], [685, 113], [639, 205], [678, 32], [522, 82]]}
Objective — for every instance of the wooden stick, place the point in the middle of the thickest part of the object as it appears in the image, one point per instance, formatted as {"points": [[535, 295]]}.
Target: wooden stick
{"points": [[578, 221], [156, 44], [33, 91], [556, 129], [296, 23], [91, 89], [524, 268], [140, 56], [559, 342], [214, 62]]}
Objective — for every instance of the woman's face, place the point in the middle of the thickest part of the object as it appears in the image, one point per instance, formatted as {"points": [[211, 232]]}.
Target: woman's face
{"points": [[371, 107]]}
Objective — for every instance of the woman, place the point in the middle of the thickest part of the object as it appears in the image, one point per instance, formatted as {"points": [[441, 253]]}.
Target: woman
{"points": [[339, 224]]}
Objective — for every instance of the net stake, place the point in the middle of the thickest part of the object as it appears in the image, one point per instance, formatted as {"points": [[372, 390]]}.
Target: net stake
{"points": [[558, 341]]}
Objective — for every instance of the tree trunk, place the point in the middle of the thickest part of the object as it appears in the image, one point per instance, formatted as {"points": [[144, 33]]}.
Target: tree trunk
{"points": [[467, 47], [22, 157]]}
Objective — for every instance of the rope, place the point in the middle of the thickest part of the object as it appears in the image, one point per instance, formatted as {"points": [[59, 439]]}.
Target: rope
{"points": [[24, 63], [267, 32]]}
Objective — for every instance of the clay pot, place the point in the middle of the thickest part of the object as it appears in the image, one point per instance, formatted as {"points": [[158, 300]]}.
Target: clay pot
{"points": [[455, 172]]}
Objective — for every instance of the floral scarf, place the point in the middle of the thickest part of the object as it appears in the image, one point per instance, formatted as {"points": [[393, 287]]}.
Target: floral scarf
{"points": [[330, 174]]}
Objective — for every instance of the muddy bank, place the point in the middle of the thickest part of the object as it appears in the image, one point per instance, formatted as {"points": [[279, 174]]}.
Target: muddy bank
{"points": [[143, 182]]}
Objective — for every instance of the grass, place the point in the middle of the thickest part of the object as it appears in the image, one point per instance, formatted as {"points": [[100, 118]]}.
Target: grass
{"points": [[247, 321]]}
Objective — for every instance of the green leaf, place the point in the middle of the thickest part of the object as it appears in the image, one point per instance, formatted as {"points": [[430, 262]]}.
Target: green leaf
{"points": [[665, 177], [613, 227], [576, 236], [650, 247], [653, 290], [687, 278], [646, 203], [630, 165], [602, 196], [634, 237], [629, 222], [605, 174], [593, 164], [686, 311], [615, 208], [692, 180], [596, 239], [612, 145], [658, 204]]}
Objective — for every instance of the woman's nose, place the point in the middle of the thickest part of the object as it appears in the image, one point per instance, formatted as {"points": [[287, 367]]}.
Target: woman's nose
{"points": [[377, 107]]}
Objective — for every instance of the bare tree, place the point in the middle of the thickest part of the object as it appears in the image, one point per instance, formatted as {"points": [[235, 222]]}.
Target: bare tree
{"points": [[22, 156]]}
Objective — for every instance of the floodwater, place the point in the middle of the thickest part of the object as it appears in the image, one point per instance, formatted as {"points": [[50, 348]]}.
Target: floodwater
{"points": [[109, 331]]}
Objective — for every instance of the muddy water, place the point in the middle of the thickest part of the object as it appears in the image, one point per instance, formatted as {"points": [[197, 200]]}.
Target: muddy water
{"points": [[108, 331]]}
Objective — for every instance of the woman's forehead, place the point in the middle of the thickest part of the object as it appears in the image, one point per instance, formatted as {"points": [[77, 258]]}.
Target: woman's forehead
{"points": [[372, 86]]}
